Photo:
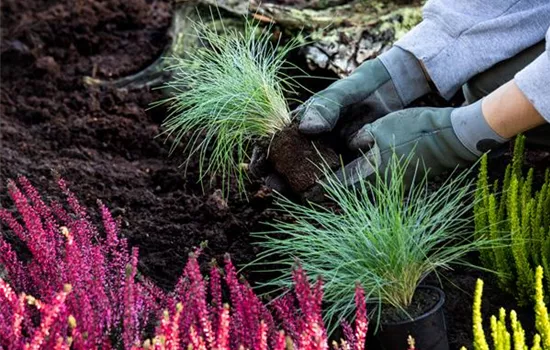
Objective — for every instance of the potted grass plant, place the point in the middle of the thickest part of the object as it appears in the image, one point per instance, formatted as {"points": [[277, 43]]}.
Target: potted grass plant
{"points": [[386, 237], [229, 95]]}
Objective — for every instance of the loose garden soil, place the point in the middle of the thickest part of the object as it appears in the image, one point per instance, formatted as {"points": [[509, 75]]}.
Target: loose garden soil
{"points": [[423, 301], [103, 141], [299, 160]]}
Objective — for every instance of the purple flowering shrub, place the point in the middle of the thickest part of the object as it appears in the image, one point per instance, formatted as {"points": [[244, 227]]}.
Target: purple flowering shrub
{"points": [[80, 290]]}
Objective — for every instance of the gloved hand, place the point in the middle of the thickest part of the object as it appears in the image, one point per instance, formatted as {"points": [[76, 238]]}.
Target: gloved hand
{"points": [[377, 87], [436, 139]]}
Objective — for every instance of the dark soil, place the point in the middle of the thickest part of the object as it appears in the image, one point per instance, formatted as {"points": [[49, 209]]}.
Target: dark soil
{"points": [[459, 286], [299, 159], [423, 301], [102, 141]]}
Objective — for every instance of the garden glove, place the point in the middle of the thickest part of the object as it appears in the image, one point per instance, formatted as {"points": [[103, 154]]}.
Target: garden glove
{"points": [[436, 139], [376, 88]]}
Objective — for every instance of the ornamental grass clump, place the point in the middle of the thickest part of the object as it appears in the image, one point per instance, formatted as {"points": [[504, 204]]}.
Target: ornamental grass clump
{"points": [[516, 212], [75, 285], [502, 339], [382, 235], [227, 95]]}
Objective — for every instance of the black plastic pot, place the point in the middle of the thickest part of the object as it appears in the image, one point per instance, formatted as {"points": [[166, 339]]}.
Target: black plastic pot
{"points": [[428, 330]]}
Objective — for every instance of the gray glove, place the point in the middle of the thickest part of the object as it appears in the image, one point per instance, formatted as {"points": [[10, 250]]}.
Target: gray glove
{"points": [[376, 88], [437, 139]]}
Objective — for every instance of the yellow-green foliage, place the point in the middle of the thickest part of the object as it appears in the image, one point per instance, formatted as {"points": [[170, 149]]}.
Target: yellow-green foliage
{"points": [[513, 212], [502, 339]]}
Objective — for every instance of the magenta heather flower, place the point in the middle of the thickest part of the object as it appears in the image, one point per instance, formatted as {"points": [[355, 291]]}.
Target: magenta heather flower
{"points": [[361, 321], [49, 314], [67, 248], [81, 290]]}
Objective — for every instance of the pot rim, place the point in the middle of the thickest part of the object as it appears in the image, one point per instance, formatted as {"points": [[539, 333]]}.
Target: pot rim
{"points": [[426, 314]]}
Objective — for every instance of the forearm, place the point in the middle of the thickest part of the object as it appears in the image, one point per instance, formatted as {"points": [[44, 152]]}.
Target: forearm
{"points": [[508, 111]]}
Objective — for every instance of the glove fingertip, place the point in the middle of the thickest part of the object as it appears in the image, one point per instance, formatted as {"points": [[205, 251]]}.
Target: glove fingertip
{"points": [[359, 170], [276, 183], [313, 123], [363, 139]]}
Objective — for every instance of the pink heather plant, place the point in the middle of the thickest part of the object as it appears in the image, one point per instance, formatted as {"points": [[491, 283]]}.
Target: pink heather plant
{"points": [[66, 248], [80, 289]]}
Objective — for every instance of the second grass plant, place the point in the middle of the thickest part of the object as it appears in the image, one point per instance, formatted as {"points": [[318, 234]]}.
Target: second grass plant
{"points": [[382, 235], [226, 95]]}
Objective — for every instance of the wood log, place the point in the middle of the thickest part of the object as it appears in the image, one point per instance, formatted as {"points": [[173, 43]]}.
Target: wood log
{"points": [[341, 34], [337, 34]]}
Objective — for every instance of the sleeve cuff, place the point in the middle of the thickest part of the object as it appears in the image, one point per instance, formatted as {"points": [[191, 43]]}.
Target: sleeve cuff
{"points": [[429, 51], [534, 82], [406, 74], [451, 59]]}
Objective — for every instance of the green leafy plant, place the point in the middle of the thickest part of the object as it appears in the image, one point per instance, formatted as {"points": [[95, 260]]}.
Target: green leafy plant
{"points": [[515, 212], [383, 235], [501, 337], [226, 95]]}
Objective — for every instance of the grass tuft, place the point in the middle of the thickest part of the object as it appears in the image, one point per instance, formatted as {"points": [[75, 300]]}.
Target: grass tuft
{"points": [[382, 234], [226, 95]]}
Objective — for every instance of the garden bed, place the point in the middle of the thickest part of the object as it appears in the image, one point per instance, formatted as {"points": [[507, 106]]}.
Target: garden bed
{"points": [[102, 141]]}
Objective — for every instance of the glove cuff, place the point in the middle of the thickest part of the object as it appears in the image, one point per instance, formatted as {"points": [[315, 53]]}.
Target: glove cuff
{"points": [[406, 73], [473, 131]]}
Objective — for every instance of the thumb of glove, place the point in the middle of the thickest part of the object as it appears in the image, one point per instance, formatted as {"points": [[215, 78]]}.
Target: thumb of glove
{"points": [[363, 139], [314, 116]]}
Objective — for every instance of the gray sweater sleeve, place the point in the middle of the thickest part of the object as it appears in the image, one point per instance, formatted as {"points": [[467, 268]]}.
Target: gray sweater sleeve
{"points": [[458, 39], [534, 81]]}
